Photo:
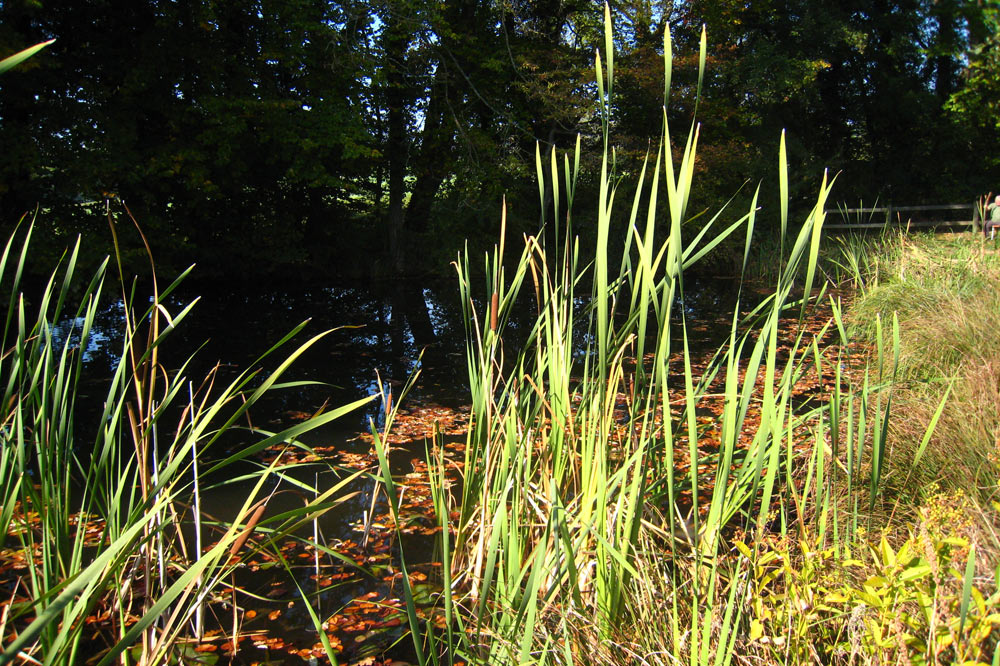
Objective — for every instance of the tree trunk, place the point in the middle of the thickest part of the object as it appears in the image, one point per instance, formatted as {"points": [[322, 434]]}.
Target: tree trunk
{"points": [[437, 154], [397, 144]]}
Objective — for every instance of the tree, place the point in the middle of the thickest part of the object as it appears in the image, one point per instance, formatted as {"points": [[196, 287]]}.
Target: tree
{"points": [[285, 135], [858, 86], [977, 100], [222, 125]]}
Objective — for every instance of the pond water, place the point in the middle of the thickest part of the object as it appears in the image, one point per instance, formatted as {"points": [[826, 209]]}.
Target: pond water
{"points": [[383, 330]]}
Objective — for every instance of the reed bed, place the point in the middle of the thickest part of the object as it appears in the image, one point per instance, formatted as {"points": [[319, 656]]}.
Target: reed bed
{"points": [[100, 517], [600, 515]]}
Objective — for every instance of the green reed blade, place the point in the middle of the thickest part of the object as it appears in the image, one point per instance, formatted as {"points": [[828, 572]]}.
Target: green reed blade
{"points": [[668, 60], [970, 570], [702, 58], [609, 48], [540, 174], [783, 191], [13, 61], [931, 425]]}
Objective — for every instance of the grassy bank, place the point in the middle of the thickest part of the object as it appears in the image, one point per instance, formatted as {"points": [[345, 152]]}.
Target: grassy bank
{"points": [[943, 289]]}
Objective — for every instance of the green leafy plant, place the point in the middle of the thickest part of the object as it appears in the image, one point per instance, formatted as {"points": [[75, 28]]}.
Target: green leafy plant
{"points": [[918, 603]]}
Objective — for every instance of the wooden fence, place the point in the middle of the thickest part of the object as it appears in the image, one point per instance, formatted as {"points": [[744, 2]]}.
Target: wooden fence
{"points": [[944, 215]]}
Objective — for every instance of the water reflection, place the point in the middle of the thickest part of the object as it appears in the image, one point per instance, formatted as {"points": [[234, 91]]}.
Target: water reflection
{"points": [[379, 330]]}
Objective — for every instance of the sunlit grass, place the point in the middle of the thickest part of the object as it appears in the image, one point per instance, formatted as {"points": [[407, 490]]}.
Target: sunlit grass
{"points": [[943, 290], [818, 490]]}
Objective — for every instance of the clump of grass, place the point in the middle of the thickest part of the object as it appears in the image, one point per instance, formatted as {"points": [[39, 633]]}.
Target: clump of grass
{"points": [[101, 514], [591, 501], [918, 273], [943, 290], [845, 260]]}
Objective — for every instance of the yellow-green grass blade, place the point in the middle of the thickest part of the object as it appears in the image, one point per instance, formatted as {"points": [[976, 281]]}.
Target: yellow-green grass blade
{"points": [[931, 426], [668, 61], [14, 60], [783, 191]]}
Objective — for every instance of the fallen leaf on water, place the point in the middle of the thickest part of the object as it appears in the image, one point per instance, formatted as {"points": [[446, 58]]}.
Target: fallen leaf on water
{"points": [[278, 591], [367, 661]]}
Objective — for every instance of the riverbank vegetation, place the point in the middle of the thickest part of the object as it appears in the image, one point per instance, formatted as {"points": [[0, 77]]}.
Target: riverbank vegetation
{"points": [[782, 502], [105, 556], [943, 290], [819, 490]]}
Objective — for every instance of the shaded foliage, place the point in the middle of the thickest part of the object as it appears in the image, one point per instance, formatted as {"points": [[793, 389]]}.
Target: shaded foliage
{"points": [[290, 137]]}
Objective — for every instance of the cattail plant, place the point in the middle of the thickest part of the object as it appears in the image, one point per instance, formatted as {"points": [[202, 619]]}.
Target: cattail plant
{"points": [[574, 471], [132, 482]]}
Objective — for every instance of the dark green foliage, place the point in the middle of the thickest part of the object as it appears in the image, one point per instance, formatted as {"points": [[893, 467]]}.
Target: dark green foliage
{"points": [[859, 86], [296, 137], [225, 127]]}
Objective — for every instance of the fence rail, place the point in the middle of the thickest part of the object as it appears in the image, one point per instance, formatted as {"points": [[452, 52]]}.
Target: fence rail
{"points": [[906, 216]]}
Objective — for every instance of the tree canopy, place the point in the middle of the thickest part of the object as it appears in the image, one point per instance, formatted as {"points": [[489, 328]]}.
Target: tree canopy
{"points": [[287, 137]]}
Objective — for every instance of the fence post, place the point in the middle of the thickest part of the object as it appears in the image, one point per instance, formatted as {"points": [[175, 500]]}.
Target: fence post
{"points": [[977, 221]]}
